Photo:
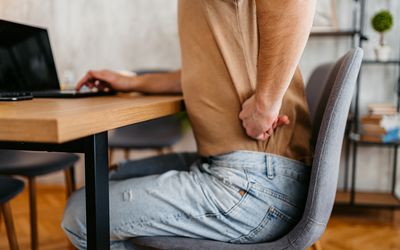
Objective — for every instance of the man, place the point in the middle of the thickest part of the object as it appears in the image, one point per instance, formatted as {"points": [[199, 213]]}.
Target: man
{"points": [[245, 99]]}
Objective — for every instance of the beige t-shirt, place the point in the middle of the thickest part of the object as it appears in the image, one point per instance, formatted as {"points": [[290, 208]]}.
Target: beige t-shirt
{"points": [[219, 43]]}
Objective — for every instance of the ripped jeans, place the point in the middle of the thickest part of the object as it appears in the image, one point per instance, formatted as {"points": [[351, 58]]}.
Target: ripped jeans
{"points": [[239, 197]]}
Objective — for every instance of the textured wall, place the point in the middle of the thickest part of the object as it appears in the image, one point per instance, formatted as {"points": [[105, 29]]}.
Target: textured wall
{"points": [[126, 34], [119, 34]]}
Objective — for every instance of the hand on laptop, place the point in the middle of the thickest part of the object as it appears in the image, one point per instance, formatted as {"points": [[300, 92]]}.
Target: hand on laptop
{"points": [[106, 80]]}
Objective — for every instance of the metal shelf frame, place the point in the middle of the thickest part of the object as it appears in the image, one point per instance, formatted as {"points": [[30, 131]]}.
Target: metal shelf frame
{"points": [[358, 37], [356, 143]]}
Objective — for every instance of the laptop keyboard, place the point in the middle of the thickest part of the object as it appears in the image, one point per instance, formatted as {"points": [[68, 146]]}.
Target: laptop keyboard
{"points": [[15, 94]]}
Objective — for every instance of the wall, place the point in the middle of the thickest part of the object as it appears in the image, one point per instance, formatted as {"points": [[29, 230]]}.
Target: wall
{"points": [[120, 34], [126, 34]]}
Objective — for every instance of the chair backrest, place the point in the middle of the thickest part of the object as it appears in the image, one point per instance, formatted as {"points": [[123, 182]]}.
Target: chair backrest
{"points": [[317, 96], [330, 121], [330, 118]]}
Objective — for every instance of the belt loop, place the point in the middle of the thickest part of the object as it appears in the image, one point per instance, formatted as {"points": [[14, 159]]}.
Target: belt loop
{"points": [[270, 167]]}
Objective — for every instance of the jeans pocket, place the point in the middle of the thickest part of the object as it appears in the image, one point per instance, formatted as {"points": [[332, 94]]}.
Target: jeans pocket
{"points": [[274, 225], [224, 197]]}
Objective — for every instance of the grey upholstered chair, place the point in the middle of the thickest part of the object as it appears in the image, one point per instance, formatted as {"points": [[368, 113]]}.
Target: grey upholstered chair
{"points": [[315, 86], [329, 121]]}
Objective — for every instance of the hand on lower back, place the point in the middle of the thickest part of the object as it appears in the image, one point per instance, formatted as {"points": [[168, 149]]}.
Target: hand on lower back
{"points": [[259, 122]]}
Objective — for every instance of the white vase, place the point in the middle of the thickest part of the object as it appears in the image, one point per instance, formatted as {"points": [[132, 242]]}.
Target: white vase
{"points": [[382, 53]]}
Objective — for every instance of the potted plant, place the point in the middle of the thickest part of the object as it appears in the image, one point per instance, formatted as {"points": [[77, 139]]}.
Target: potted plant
{"points": [[381, 23]]}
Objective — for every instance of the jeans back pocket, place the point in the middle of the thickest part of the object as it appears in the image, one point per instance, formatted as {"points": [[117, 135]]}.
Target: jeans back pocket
{"points": [[273, 226]]}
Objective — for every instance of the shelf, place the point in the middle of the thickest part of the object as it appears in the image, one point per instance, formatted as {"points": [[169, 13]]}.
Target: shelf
{"points": [[343, 33], [381, 63], [368, 199], [356, 138]]}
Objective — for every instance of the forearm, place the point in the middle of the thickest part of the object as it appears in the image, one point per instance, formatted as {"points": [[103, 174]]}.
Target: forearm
{"points": [[163, 83], [284, 27]]}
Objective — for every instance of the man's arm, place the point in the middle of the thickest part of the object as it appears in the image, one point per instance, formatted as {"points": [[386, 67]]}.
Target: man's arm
{"points": [[159, 83], [284, 27], [163, 83]]}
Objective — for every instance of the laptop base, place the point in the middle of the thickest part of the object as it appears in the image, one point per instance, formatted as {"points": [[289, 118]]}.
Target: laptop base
{"points": [[69, 94]]}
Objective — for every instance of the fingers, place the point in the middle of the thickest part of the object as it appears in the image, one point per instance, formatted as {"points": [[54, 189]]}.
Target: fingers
{"points": [[84, 81], [102, 86], [283, 120], [280, 121], [99, 79]]}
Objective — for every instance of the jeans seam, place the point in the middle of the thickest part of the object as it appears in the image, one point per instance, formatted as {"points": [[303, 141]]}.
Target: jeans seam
{"points": [[275, 194], [264, 222], [230, 210], [123, 225]]}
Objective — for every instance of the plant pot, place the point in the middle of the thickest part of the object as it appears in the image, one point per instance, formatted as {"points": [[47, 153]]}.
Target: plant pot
{"points": [[382, 53]]}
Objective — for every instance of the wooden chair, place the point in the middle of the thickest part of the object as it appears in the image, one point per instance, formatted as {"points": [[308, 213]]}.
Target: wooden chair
{"points": [[9, 188]]}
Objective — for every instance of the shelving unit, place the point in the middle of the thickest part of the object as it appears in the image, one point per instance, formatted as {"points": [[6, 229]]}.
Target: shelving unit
{"points": [[349, 196], [345, 33], [383, 199]]}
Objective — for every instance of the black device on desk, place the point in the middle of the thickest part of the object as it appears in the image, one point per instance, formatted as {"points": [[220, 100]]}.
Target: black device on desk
{"points": [[27, 65], [15, 96]]}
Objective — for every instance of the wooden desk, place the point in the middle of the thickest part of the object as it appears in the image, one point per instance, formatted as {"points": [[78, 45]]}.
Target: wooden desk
{"points": [[81, 125]]}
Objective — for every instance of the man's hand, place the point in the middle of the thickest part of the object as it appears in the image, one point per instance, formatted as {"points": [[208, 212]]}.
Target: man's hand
{"points": [[106, 80], [259, 121]]}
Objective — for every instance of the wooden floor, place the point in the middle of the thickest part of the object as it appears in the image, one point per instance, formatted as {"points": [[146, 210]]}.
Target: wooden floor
{"points": [[346, 230]]}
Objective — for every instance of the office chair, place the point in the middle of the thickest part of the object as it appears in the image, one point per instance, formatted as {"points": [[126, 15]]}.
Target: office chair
{"points": [[329, 121]]}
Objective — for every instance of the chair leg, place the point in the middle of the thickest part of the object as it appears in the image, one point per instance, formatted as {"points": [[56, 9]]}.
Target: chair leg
{"points": [[69, 174], [317, 245], [126, 154], [33, 213], [11, 235], [70, 187], [110, 155]]}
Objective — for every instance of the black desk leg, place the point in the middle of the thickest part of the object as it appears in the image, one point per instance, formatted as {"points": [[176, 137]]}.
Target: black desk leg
{"points": [[97, 197]]}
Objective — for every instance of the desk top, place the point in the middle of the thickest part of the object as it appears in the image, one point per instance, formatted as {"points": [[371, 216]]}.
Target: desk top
{"points": [[59, 120]]}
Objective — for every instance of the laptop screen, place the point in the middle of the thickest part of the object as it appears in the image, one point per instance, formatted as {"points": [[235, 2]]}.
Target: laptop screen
{"points": [[26, 60]]}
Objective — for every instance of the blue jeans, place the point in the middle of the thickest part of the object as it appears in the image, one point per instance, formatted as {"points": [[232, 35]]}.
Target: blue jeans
{"points": [[239, 197]]}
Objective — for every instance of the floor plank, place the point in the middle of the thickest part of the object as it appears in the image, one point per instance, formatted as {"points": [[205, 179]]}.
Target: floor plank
{"points": [[347, 230]]}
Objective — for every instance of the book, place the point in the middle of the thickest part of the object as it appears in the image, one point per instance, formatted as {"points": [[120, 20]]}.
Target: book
{"points": [[385, 121], [383, 112], [375, 129], [372, 119], [390, 137], [381, 108]]}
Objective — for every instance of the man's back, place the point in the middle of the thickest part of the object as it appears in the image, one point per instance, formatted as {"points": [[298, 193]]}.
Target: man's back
{"points": [[220, 46]]}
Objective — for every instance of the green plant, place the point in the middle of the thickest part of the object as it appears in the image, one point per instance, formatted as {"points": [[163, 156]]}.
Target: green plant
{"points": [[382, 22]]}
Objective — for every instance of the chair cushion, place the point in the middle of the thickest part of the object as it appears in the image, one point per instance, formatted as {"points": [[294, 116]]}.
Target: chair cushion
{"points": [[159, 133], [27, 163], [181, 243], [9, 188]]}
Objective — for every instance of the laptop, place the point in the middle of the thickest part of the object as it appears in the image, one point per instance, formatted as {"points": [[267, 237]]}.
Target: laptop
{"points": [[27, 67]]}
